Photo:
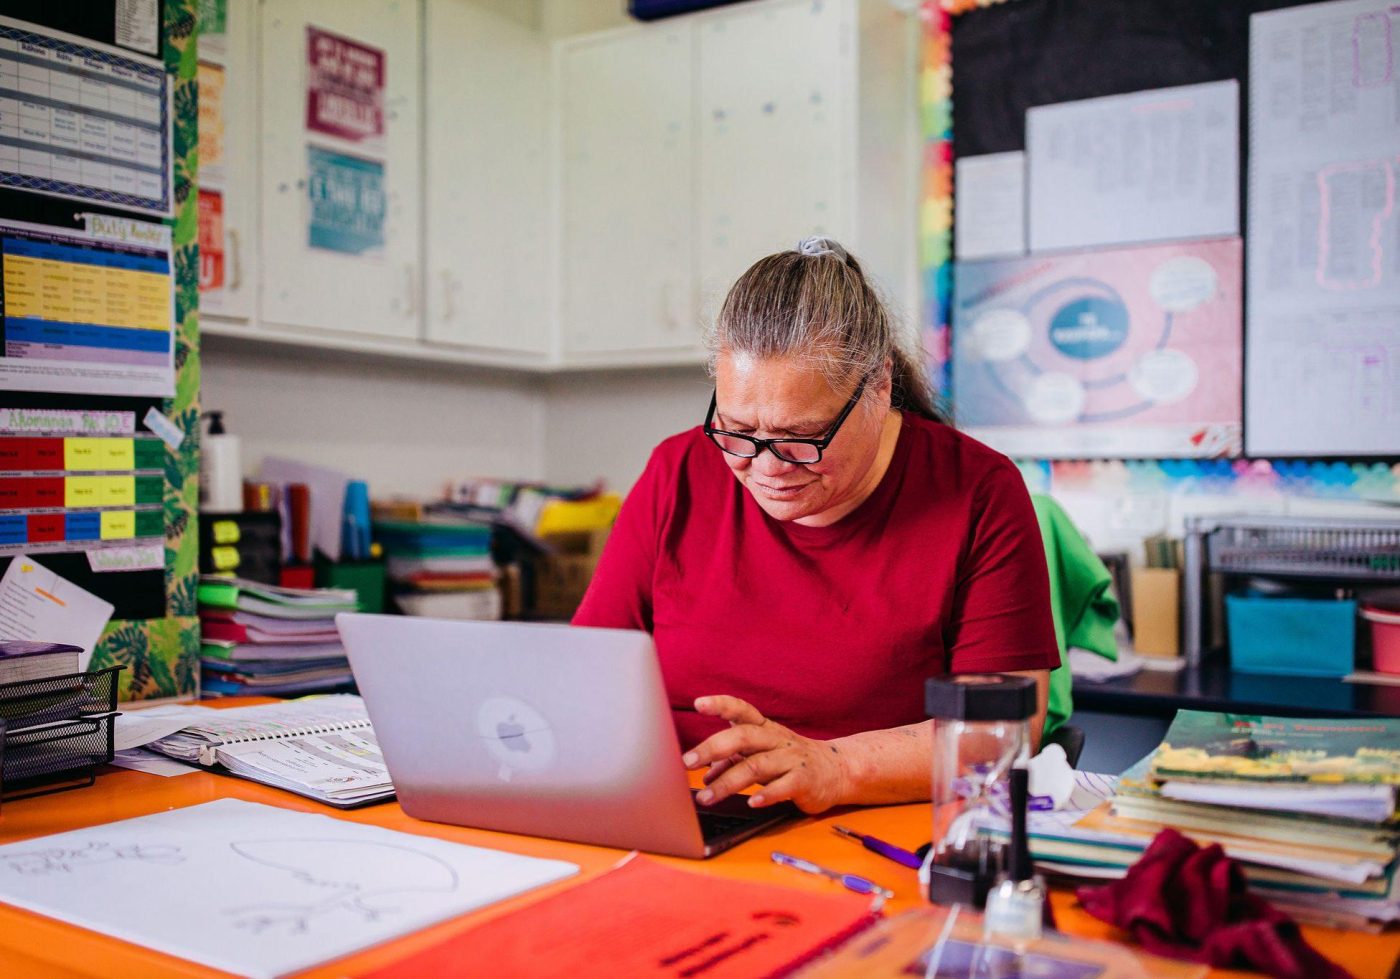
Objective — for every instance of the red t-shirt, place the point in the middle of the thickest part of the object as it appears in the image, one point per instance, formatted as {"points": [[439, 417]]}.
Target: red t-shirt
{"points": [[828, 630]]}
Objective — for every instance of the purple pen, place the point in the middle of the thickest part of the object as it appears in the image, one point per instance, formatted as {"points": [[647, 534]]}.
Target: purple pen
{"points": [[887, 850]]}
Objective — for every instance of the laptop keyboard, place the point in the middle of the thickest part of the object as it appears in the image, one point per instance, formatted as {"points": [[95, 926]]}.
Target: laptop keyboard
{"points": [[714, 825]]}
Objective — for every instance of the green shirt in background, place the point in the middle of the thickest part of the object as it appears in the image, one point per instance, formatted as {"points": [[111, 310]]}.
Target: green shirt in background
{"points": [[1083, 608]]}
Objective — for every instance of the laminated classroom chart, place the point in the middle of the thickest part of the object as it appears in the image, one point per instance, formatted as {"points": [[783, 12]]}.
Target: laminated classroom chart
{"points": [[82, 481], [1323, 241], [256, 890], [87, 312], [1158, 165], [1115, 353], [83, 120]]}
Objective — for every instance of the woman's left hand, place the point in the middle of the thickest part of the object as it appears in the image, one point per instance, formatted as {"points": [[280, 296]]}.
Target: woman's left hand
{"points": [[758, 751]]}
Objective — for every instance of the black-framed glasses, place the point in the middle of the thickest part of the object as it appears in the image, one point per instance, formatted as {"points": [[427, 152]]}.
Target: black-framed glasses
{"points": [[803, 452]]}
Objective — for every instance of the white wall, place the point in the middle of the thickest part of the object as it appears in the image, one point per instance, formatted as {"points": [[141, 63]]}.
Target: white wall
{"points": [[405, 427], [605, 423]]}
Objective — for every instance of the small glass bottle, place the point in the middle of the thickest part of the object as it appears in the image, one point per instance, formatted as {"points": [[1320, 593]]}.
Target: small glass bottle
{"points": [[981, 729], [1016, 906]]}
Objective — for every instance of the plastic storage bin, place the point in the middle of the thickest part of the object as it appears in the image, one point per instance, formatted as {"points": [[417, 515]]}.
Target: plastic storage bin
{"points": [[1385, 637], [1299, 636]]}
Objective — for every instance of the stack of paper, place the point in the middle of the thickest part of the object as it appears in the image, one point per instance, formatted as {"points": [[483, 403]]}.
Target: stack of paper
{"points": [[1307, 806], [441, 568], [267, 640], [320, 747]]}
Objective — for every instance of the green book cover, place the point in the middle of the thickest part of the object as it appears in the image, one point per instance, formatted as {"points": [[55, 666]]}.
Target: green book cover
{"points": [[219, 594], [1250, 747]]}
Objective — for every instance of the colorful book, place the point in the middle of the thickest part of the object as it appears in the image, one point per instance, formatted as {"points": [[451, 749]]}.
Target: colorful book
{"points": [[1248, 747]]}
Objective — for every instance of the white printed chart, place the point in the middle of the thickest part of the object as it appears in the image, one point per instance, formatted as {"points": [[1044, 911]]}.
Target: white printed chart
{"points": [[1323, 244], [82, 120]]}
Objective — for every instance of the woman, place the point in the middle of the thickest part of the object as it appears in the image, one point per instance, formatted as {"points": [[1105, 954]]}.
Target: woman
{"points": [[818, 547]]}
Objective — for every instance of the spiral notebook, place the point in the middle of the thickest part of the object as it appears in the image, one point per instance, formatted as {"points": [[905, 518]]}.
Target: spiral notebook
{"points": [[321, 747]]}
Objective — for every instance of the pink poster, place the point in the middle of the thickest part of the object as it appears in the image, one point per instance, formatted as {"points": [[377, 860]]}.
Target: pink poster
{"points": [[1116, 353], [344, 87]]}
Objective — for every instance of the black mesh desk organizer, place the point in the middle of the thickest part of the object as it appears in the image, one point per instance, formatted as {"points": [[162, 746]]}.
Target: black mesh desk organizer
{"points": [[58, 731]]}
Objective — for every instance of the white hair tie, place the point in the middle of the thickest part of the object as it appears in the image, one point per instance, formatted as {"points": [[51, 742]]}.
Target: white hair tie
{"points": [[815, 245]]}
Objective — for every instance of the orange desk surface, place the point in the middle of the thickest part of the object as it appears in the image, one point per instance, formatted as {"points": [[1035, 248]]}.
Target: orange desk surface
{"points": [[34, 946]]}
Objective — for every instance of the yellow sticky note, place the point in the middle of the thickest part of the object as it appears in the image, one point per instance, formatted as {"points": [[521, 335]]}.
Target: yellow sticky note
{"points": [[225, 532], [84, 454], [118, 524], [117, 453], [224, 558]]}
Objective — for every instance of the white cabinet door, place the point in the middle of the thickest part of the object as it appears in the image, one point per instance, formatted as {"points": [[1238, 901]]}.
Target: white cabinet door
{"points": [[228, 84], [340, 205], [625, 180], [776, 132], [487, 106]]}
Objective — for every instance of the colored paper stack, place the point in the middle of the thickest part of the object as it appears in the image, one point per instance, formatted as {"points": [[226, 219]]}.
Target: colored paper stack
{"points": [[441, 568], [1307, 806], [260, 639]]}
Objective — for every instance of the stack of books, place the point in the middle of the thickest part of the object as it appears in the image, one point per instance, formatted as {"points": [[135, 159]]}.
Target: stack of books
{"points": [[441, 568], [1308, 808], [261, 639]]}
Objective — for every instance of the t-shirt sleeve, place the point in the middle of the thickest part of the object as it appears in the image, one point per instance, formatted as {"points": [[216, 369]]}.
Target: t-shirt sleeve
{"points": [[1001, 611], [619, 596]]}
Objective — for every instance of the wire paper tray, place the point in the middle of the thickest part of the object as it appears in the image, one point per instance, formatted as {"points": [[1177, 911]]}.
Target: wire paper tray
{"points": [[58, 698], [67, 751], [1308, 549]]}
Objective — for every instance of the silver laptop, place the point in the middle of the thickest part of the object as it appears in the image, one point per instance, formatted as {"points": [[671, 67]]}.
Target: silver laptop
{"points": [[547, 730]]}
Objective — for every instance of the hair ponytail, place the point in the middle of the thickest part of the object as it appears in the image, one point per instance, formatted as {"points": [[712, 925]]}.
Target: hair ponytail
{"points": [[816, 302]]}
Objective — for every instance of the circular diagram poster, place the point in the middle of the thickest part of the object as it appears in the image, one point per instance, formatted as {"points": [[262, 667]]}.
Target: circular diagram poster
{"points": [[1113, 353]]}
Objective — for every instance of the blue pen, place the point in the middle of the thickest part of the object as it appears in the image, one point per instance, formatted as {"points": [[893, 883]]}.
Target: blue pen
{"points": [[850, 882]]}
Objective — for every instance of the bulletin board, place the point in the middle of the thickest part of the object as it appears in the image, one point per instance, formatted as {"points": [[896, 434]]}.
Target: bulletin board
{"points": [[987, 64], [96, 488]]}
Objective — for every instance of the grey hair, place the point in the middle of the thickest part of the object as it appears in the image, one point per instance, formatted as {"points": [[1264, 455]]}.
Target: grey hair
{"points": [[814, 303]]}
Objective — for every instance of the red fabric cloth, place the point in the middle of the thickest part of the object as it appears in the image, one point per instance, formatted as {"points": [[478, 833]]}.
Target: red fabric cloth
{"points": [[1189, 902], [828, 630]]}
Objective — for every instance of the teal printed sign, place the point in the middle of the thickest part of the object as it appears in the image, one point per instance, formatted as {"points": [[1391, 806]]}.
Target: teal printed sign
{"points": [[347, 202], [213, 17]]}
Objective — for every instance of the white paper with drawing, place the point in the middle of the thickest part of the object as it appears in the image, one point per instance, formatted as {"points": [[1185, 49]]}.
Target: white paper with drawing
{"points": [[37, 604], [257, 890], [1323, 246]]}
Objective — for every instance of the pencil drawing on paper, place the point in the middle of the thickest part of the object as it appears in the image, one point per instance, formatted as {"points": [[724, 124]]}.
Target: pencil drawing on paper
{"points": [[368, 880], [66, 860]]}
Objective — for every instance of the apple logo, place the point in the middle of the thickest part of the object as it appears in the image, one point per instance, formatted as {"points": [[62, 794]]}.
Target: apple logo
{"points": [[512, 735], [516, 735]]}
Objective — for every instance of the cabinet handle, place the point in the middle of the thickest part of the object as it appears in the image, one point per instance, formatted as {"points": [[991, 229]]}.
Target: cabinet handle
{"points": [[411, 280], [235, 278], [448, 309]]}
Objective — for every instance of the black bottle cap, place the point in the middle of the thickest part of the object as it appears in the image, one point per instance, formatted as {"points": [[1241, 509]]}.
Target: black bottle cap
{"points": [[980, 697]]}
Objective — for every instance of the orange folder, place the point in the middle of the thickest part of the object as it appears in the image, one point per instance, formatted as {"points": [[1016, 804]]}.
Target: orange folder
{"points": [[648, 919]]}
